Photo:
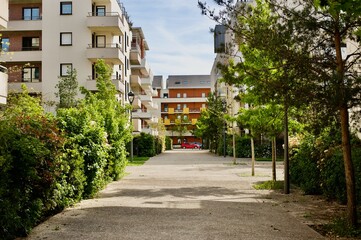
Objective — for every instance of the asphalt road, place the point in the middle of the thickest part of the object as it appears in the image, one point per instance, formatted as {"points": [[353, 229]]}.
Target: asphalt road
{"points": [[183, 194]]}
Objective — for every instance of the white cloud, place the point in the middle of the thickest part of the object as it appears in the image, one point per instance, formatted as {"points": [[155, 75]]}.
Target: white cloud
{"points": [[177, 34]]}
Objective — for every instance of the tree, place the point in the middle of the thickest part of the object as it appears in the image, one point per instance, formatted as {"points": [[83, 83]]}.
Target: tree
{"points": [[67, 89], [266, 120], [310, 37], [210, 124]]}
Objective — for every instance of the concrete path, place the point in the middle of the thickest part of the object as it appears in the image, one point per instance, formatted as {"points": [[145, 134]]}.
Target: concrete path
{"points": [[183, 194]]}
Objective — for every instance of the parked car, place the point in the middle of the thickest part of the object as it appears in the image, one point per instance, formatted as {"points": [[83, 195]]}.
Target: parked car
{"points": [[198, 143], [189, 145]]}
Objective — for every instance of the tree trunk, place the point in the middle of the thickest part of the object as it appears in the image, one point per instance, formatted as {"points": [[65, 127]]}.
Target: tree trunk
{"points": [[253, 157], [345, 131], [286, 158], [274, 159], [349, 169]]}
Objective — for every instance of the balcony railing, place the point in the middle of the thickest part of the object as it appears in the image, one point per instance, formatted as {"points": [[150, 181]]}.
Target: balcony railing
{"points": [[111, 52]]}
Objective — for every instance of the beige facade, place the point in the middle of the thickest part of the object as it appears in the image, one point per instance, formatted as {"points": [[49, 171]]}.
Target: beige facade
{"points": [[4, 16], [48, 37], [145, 117]]}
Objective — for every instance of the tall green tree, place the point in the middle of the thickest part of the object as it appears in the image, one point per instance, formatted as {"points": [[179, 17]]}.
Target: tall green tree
{"points": [[210, 124], [310, 37], [67, 89]]}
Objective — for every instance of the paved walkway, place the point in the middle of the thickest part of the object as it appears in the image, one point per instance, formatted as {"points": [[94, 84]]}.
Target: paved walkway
{"points": [[183, 194]]}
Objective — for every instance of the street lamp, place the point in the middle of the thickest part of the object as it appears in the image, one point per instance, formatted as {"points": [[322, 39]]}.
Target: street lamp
{"points": [[131, 97]]}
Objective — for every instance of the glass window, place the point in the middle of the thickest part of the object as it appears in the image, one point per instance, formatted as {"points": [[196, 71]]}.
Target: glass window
{"points": [[66, 8], [31, 13], [184, 95], [5, 43], [203, 95], [31, 74], [100, 11], [184, 105], [31, 43], [178, 95], [100, 41], [66, 39], [178, 106], [65, 69]]}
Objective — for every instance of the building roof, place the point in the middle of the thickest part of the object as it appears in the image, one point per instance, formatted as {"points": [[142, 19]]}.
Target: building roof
{"points": [[157, 82], [188, 81]]}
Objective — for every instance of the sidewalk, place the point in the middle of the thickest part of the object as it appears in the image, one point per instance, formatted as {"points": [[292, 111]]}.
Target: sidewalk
{"points": [[181, 194]]}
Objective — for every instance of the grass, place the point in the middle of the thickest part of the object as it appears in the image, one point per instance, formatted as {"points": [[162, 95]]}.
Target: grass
{"points": [[137, 161], [269, 185]]}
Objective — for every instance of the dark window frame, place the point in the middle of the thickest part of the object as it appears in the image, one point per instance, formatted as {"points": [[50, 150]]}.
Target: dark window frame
{"points": [[61, 39], [62, 4], [97, 8], [32, 17], [32, 78], [61, 69]]}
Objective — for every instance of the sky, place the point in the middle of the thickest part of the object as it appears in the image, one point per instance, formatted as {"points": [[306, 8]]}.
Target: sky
{"points": [[177, 34]]}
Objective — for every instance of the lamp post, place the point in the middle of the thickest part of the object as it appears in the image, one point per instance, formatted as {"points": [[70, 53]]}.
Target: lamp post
{"points": [[131, 100]]}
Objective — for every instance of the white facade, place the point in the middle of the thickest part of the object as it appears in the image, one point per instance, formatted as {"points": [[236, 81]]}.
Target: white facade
{"points": [[4, 15], [145, 117], [70, 34]]}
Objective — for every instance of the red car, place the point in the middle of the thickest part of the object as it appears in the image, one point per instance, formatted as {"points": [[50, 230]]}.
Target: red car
{"points": [[189, 145]]}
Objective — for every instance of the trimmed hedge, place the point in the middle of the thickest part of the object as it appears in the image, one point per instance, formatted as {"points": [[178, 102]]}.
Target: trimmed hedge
{"points": [[147, 145], [316, 165]]}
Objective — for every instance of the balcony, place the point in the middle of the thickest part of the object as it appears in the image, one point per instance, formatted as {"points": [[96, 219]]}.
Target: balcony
{"points": [[135, 81], [33, 87], [111, 22], [141, 114], [145, 98], [91, 84], [25, 25], [119, 85], [3, 85], [110, 53], [143, 67], [22, 56], [135, 57], [137, 103]]}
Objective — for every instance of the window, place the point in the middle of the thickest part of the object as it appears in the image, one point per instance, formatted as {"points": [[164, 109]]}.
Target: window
{"points": [[185, 118], [166, 107], [31, 43], [65, 69], [184, 95], [165, 95], [178, 95], [66, 8], [178, 106], [100, 11], [100, 41], [177, 83], [31, 74], [66, 39], [5, 43], [203, 95], [184, 106], [185, 82], [31, 13]]}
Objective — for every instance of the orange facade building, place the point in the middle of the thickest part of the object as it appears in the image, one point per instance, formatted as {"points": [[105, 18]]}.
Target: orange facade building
{"points": [[182, 101]]}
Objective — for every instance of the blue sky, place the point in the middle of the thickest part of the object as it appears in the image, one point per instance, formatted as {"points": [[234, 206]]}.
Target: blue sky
{"points": [[178, 35]]}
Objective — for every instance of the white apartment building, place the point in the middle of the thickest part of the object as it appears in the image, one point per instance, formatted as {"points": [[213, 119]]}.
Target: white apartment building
{"points": [[4, 16], [145, 117], [46, 38]]}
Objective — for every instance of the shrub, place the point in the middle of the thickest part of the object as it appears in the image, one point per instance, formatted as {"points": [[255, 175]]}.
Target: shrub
{"points": [[30, 166], [168, 143], [243, 147]]}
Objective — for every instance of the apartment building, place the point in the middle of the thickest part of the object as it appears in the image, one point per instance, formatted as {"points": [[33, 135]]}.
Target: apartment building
{"points": [[46, 39], [4, 16], [182, 102], [145, 118]]}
